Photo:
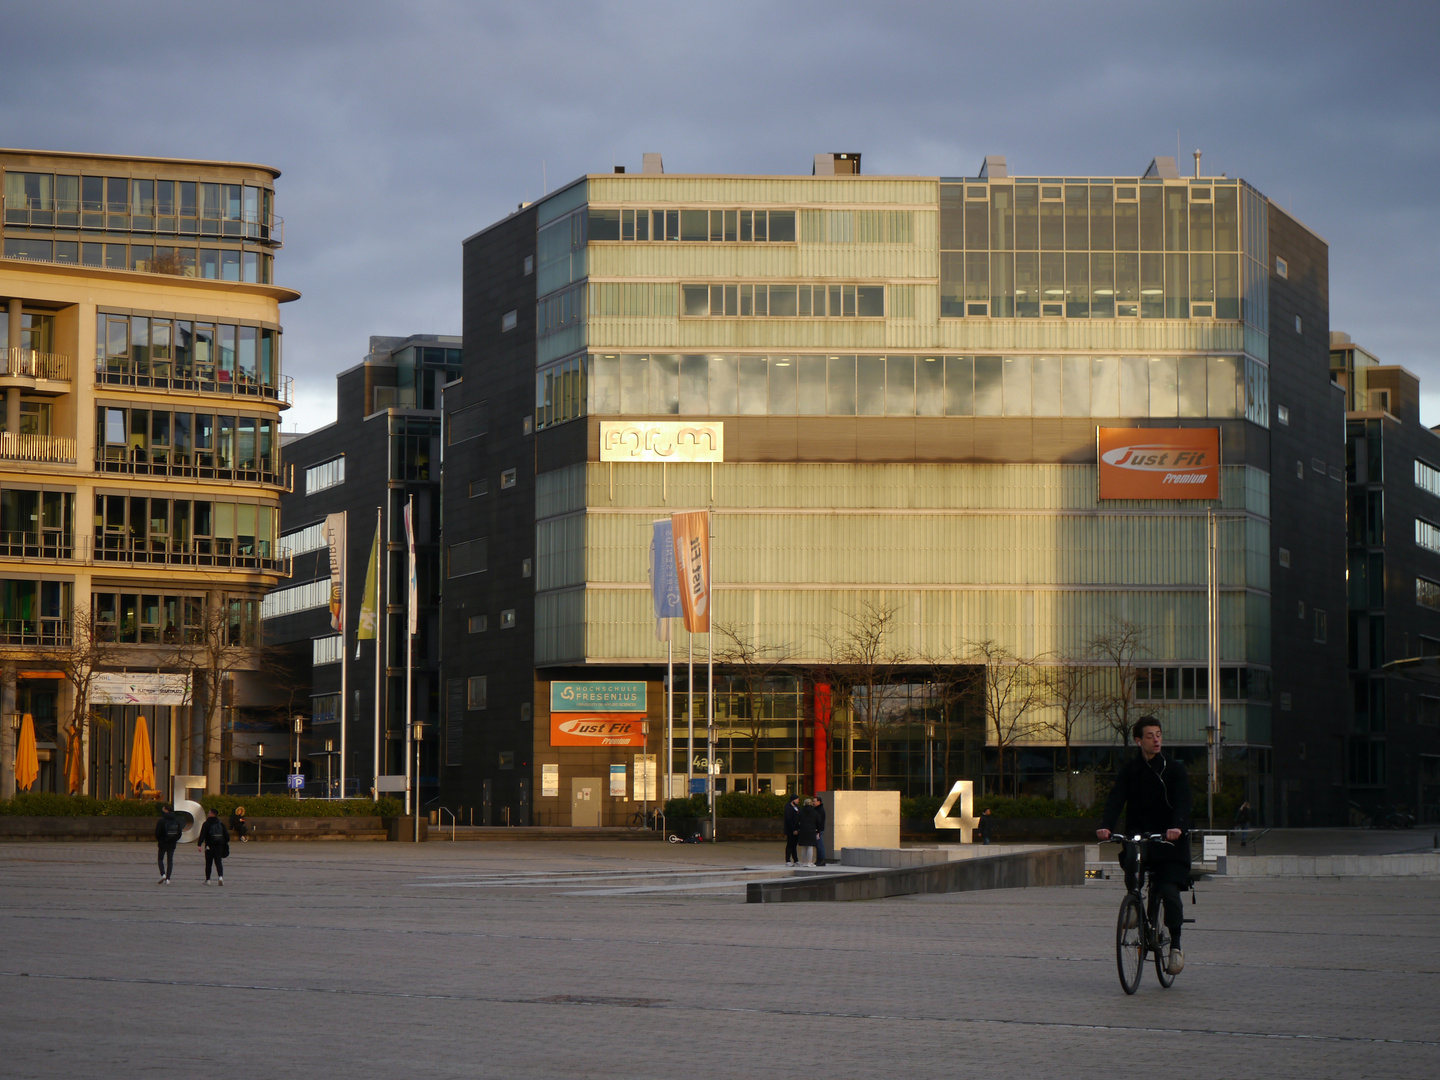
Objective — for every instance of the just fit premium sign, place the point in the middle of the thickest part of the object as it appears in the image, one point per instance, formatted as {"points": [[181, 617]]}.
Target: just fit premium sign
{"points": [[597, 714], [1159, 463]]}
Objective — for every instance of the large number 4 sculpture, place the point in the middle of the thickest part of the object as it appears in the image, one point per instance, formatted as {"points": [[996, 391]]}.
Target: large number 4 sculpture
{"points": [[966, 821]]}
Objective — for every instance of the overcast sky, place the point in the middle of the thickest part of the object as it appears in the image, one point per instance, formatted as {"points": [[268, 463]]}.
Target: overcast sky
{"points": [[402, 128]]}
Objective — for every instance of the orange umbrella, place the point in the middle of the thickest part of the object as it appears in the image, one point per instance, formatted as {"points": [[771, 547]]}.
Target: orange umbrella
{"points": [[74, 763], [142, 766], [27, 760]]}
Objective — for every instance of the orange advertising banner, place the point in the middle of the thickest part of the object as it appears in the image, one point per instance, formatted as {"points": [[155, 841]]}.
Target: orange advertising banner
{"points": [[691, 534], [1159, 463], [591, 729]]}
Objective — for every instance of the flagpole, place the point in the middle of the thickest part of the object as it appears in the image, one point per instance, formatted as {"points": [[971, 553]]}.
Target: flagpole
{"points": [[344, 660], [381, 565], [411, 782], [710, 677], [690, 710], [669, 718]]}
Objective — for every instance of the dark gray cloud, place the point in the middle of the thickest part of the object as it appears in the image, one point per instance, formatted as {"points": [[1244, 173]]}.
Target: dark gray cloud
{"points": [[402, 128]]}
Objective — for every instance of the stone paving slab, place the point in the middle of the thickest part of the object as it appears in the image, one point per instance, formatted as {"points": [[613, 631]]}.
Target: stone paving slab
{"points": [[333, 960]]}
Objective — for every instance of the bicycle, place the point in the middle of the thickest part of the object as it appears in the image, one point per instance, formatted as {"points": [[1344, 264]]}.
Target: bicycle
{"points": [[653, 820], [1138, 929]]}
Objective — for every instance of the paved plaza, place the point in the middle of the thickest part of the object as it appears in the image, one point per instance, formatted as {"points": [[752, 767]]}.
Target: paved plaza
{"points": [[606, 959]]}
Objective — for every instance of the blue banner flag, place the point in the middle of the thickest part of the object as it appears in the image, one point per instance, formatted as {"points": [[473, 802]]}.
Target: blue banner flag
{"points": [[664, 581]]}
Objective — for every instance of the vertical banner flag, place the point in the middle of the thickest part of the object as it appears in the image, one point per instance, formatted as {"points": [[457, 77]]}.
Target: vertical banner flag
{"points": [[335, 538], [692, 562], [664, 583], [414, 598], [370, 601]]}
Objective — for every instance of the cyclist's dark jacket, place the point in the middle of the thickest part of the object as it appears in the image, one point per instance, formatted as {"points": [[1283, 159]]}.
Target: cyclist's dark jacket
{"points": [[1156, 798]]}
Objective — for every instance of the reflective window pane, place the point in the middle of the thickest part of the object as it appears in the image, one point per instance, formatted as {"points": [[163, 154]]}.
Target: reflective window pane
{"points": [[1016, 380], [782, 386], [1134, 386], [1045, 386], [1076, 380], [959, 386], [929, 386], [989, 391], [1164, 388], [724, 386], [842, 385], [1105, 386], [870, 386], [810, 399], [900, 386], [754, 391]]}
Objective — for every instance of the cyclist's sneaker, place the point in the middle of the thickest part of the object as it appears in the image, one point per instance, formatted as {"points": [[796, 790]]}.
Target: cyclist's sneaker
{"points": [[1176, 962]]}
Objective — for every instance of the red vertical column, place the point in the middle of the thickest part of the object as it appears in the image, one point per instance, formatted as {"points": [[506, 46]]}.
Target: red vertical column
{"points": [[820, 745]]}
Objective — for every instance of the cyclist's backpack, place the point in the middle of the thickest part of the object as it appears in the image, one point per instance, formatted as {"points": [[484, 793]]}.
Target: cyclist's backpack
{"points": [[172, 828]]}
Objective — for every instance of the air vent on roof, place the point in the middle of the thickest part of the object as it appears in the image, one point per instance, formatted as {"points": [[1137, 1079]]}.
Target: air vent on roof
{"points": [[836, 165]]}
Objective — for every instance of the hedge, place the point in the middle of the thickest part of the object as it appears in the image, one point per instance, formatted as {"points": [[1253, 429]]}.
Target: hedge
{"points": [[48, 804]]}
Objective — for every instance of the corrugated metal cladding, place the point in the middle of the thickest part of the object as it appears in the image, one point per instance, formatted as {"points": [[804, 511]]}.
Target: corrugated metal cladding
{"points": [[930, 548], [759, 262], [560, 552], [638, 189], [560, 491], [619, 625], [560, 626], [843, 485]]}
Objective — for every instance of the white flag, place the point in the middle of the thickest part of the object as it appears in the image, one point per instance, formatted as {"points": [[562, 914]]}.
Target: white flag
{"points": [[414, 582]]}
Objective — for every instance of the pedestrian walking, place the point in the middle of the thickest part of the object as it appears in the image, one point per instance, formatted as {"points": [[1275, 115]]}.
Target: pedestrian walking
{"points": [[167, 835], [238, 826], [819, 831], [792, 830], [1242, 821], [987, 826], [215, 839], [809, 821]]}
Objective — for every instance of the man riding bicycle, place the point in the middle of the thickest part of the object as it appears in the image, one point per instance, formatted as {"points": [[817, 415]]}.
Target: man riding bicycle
{"points": [[1155, 793]]}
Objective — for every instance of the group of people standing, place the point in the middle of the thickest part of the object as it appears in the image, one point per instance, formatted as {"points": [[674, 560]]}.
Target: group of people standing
{"points": [[804, 832], [214, 839]]}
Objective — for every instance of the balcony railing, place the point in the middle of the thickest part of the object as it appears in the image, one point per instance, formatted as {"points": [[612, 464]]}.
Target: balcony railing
{"points": [[29, 364], [18, 446], [196, 465], [212, 554], [120, 217], [46, 544], [199, 379], [34, 632]]}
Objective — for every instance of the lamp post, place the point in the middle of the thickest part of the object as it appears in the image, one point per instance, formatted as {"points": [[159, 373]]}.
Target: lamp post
{"points": [[259, 765], [329, 783], [417, 733], [299, 725]]}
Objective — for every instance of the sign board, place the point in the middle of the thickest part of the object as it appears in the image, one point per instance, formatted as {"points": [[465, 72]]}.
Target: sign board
{"points": [[697, 785], [645, 775], [1159, 463], [661, 440], [390, 783], [295, 781], [617, 781], [597, 697], [591, 729], [549, 781], [109, 688], [1214, 847]]}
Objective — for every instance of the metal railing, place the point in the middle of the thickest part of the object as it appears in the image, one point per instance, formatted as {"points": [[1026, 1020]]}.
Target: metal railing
{"points": [[46, 544], [18, 446], [197, 379], [118, 217], [34, 632], [216, 554], [194, 465], [29, 364]]}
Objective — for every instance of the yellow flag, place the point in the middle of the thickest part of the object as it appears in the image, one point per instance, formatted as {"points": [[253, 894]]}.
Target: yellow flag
{"points": [[370, 602]]}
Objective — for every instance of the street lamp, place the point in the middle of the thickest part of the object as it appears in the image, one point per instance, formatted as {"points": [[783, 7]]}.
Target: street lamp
{"points": [[259, 765], [417, 733], [329, 782], [299, 726]]}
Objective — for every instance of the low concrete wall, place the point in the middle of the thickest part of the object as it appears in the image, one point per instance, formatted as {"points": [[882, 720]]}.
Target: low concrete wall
{"points": [[1418, 865], [1048, 866]]}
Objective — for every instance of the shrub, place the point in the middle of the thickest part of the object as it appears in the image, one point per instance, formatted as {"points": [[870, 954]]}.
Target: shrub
{"points": [[692, 806], [49, 804], [737, 804], [262, 806]]}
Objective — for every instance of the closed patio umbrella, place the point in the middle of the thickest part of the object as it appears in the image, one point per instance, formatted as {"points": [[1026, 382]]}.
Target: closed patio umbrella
{"points": [[27, 760], [74, 765], [142, 766]]}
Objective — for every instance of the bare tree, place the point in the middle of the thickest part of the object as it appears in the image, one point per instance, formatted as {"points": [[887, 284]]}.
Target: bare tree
{"points": [[90, 650], [1114, 700], [753, 664], [950, 685], [863, 656], [1069, 689], [1011, 693]]}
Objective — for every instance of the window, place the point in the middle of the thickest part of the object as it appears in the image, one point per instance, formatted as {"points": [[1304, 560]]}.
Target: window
{"points": [[1285, 557], [529, 265], [327, 650], [1191, 684], [526, 567], [479, 487], [469, 557], [1427, 592], [1282, 268], [729, 226], [1299, 470], [475, 692], [507, 760], [1285, 701], [310, 538], [507, 619], [325, 475], [477, 624], [507, 479], [1322, 630], [468, 423], [1282, 413], [1427, 477], [1298, 325], [737, 300], [1300, 609], [509, 321], [312, 594], [1427, 535]]}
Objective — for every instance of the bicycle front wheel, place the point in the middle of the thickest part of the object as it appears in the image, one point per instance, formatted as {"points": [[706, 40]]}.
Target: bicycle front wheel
{"points": [[1130, 943]]}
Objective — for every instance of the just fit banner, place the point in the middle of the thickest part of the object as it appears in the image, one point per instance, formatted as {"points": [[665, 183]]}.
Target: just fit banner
{"points": [[1159, 463], [692, 563]]}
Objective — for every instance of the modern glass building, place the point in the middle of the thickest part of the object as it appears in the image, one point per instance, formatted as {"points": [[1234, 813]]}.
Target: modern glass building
{"points": [[887, 392], [140, 463]]}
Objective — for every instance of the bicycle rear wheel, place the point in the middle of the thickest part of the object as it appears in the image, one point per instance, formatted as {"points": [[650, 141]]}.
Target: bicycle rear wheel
{"points": [[1130, 943], [1162, 954]]}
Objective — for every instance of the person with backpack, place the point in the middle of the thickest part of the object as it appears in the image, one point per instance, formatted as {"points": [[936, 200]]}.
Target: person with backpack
{"points": [[167, 835], [215, 839]]}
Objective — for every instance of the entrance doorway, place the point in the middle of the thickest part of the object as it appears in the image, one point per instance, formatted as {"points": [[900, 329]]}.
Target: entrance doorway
{"points": [[585, 801]]}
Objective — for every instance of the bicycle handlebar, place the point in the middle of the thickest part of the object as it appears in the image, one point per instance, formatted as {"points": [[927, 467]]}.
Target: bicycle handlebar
{"points": [[1121, 838]]}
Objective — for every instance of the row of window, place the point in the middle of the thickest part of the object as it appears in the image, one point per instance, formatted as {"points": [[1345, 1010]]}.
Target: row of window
{"points": [[138, 440], [327, 474], [311, 594], [139, 523], [1426, 477], [694, 226], [1427, 593], [1192, 684], [137, 350], [1427, 535], [327, 650], [119, 202], [157, 619], [35, 612], [301, 541], [216, 264], [660, 384], [784, 301], [1081, 216]]}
